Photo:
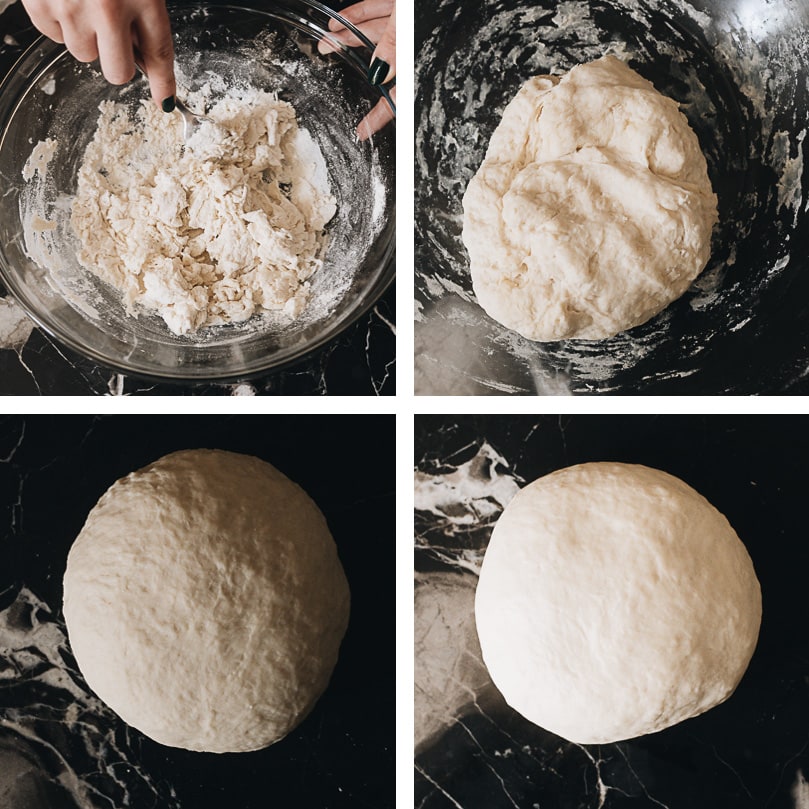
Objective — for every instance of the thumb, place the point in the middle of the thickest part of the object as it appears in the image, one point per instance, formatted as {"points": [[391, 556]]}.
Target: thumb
{"points": [[383, 62]]}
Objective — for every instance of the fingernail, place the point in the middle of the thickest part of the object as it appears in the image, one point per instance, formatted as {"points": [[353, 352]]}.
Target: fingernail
{"points": [[378, 71], [168, 104]]}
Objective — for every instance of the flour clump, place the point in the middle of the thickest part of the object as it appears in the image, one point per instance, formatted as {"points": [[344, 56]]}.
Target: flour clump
{"points": [[210, 232], [205, 602], [592, 210], [615, 601]]}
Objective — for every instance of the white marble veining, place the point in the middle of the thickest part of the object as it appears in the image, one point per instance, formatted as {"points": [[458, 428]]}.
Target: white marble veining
{"points": [[15, 325], [53, 731], [370, 340], [463, 500], [464, 731]]}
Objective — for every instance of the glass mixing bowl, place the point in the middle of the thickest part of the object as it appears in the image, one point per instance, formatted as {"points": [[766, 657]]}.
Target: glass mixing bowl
{"points": [[48, 94]]}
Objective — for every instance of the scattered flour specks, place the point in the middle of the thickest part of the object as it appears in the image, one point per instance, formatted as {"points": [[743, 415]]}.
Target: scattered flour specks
{"points": [[789, 180], [39, 159]]}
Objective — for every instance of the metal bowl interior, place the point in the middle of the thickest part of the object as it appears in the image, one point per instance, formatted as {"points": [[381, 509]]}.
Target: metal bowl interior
{"points": [[50, 95], [740, 72]]}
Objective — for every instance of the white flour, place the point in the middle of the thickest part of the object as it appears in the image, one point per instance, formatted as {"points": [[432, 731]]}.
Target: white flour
{"points": [[39, 159], [214, 231]]}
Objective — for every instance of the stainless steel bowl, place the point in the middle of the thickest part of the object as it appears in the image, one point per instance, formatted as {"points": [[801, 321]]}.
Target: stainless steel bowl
{"points": [[48, 94]]}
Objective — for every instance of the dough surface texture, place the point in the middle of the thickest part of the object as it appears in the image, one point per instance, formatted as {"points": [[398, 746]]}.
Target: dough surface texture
{"points": [[615, 601], [210, 232], [592, 209], [205, 602]]}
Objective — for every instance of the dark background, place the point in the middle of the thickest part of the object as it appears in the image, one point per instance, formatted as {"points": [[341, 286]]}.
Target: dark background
{"points": [[361, 361], [743, 753], [54, 469]]}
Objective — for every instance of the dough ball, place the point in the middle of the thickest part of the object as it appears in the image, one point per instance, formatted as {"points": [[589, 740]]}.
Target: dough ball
{"points": [[205, 602], [615, 601], [592, 210]]}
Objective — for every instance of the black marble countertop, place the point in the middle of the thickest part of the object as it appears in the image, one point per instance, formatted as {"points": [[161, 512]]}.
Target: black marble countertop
{"points": [[361, 361], [61, 748], [474, 752]]}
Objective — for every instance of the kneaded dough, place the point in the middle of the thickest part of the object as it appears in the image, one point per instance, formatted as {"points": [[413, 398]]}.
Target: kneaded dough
{"points": [[205, 602], [615, 601], [210, 232], [592, 210]]}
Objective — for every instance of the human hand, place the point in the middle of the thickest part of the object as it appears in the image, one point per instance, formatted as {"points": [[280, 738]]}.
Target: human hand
{"points": [[377, 20], [109, 30]]}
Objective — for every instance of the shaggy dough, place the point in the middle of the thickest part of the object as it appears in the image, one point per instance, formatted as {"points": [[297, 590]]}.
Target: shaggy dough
{"points": [[615, 601], [205, 602], [592, 210], [227, 227]]}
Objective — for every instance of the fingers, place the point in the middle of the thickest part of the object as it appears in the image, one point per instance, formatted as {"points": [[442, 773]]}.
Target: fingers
{"points": [[51, 29], [44, 19], [373, 30], [154, 40], [82, 45], [46, 25], [79, 39], [363, 12], [104, 30], [378, 117], [376, 19], [64, 23], [115, 53], [383, 62]]}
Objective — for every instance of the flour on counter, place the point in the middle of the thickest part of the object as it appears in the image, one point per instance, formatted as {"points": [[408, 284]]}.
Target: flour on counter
{"points": [[210, 232]]}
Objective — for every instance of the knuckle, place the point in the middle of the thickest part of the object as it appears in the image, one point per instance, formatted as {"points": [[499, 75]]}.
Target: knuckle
{"points": [[164, 52], [119, 76], [161, 51], [84, 53], [355, 15]]}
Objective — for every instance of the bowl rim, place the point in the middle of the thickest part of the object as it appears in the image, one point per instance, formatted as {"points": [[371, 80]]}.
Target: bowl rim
{"points": [[378, 286]]}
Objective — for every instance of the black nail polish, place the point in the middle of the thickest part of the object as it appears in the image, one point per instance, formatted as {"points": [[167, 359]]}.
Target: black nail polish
{"points": [[168, 104], [378, 71]]}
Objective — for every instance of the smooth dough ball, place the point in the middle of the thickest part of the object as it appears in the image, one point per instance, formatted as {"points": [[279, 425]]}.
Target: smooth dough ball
{"points": [[205, 602], [614, 601], [592, 210]]}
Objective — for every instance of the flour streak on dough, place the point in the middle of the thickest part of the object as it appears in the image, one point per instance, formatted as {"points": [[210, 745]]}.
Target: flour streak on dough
{"points": [[229, 226], [592, 210]]}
